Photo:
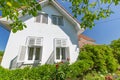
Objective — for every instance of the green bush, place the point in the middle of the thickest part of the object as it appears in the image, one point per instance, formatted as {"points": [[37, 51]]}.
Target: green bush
{"points": [[36, 73], [93, 63], [115, 45], [1, 53], [101, 56], [80, 68]]}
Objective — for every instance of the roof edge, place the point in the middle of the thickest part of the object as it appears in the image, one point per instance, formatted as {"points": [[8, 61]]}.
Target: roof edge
{"points": [[54, 3]]}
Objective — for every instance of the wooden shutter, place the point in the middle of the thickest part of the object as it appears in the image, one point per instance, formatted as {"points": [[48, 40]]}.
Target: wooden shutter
{"points": [[38, 18], [31, 41], [38, 41], [58, 43], [61, 42], [45, 18], [21, 55]]}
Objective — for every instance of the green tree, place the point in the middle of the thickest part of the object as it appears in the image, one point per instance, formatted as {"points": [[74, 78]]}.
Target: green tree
{"points": [[115, 45], [88, 9], [101, 56], [91, 10], [11, 10]]}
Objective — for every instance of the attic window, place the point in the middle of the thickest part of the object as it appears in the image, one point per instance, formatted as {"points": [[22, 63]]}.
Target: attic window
{"points": [[57, 20], [42, 18]]}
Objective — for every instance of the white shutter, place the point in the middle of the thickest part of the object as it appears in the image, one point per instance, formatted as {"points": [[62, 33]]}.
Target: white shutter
{"points": [[34, 41], [45, 18], [31, 41], [38, 18], [61, 42], [38, 41], [58, 43], [21, 55]]}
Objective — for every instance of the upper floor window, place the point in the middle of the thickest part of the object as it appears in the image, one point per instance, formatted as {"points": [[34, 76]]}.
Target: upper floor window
{"points": [[42, 18], [57, 20]]}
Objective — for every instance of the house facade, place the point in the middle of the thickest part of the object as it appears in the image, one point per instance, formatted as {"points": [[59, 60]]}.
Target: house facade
{"points": [[50, 37]]}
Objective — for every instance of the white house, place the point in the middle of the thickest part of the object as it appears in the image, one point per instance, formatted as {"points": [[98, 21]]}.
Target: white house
{"points": [[50, 37]]}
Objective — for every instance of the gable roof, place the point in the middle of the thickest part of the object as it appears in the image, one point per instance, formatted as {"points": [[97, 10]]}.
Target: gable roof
{"points": [[85, 37], [5, 23]]}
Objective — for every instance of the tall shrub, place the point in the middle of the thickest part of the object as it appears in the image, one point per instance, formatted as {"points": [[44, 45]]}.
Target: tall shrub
{"points": [[115, 45], [101, 56]]}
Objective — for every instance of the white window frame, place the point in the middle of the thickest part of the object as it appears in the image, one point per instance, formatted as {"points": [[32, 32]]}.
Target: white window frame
{"points": [[35, 45], [34, 51], [58, 60], [60, 46], [41, 15], [57, 20]]}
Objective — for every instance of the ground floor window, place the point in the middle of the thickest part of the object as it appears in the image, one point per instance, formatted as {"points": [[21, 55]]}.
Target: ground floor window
{"points": [[61, 53], [34, 53]]}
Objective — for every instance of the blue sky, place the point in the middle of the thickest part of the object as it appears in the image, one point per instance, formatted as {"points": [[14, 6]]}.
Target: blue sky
{"points": [[104, 32], [3, 38]]}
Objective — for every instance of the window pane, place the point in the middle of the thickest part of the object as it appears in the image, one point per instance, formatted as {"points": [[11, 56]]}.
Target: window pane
{"points": [[30, 54], [57, 53], [45, 18], [60, 21], [37, 54], [38, 18], [54, 20], [63, 53]]}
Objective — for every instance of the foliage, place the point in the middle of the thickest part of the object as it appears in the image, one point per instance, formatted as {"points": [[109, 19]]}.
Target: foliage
{"points": [[1, 55], [80, 68], [62, 71], [115, 45], [101, 56], [36, 73], [59, 71], [9, 7], [89, 11], [94, 76], [92, 10]]}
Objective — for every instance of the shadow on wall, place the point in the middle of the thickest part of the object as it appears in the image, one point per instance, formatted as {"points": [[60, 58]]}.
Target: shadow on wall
{"points": [[14, 64]]}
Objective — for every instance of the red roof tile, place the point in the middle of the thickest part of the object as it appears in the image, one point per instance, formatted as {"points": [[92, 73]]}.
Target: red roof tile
{"points": [[85, 37]]}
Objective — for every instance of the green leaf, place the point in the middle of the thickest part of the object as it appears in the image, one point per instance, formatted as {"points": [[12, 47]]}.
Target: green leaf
{"points": [[93, 4]]}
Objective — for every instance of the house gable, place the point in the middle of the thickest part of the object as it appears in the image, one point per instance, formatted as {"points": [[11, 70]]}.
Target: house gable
{"points": [[58, 7]]}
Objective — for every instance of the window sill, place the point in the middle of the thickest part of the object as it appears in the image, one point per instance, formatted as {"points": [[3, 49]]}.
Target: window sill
{"points": [[56, 61], [32, 62]]}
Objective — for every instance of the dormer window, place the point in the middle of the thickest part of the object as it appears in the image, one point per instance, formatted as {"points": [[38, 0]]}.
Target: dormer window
{"points": [[57, 20], [42, 18]]}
